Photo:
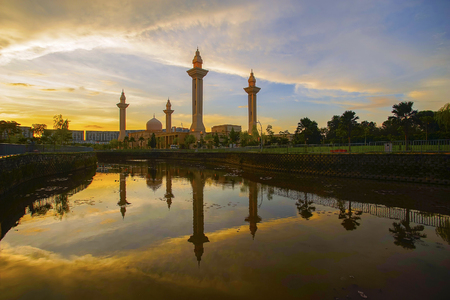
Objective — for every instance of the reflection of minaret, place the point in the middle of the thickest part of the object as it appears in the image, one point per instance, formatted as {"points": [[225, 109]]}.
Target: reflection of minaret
{"points": [[123, 195], [168, 113], [253, 217], [168, 195], [197, 74], [199, 237], [251, 90], [123, 106]]}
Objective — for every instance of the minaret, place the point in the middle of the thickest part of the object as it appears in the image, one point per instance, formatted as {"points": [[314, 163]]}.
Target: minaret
{"points": [[168, 195], [253, 217], [251, 90], [168, 113], [197, 74], [123, 106], [123, 195], [199, 237]]}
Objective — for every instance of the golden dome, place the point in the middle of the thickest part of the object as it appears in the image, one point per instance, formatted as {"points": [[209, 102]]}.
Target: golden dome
{"points": [[154, 125]]}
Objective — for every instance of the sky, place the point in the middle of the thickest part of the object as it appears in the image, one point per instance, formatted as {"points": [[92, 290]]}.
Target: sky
{"points": [[311, 59]]}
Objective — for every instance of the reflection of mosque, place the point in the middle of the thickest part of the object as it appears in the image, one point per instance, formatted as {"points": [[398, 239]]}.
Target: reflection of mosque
{"points": [[153, 174]]}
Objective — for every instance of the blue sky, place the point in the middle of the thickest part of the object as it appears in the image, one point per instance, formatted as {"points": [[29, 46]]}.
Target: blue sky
{"points": [[311, 59]]}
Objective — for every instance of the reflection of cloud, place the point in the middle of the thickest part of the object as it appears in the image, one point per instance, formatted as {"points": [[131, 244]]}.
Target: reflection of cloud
{"points": [[32, 231]]}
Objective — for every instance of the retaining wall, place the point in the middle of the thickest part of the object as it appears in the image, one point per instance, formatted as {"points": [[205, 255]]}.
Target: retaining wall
{"points": [[20, 168], [424, 168]]}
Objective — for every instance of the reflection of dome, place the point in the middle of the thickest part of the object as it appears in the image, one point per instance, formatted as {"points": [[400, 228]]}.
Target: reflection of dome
{"points": [[154, 125]]}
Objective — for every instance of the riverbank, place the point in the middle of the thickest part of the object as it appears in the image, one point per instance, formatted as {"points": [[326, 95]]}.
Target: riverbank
{"points": [[18, 169], [423, 168]]}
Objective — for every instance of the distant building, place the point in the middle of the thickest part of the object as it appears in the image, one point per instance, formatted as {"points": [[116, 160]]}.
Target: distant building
{"points": [[225, 129], [26, 131], [77, 135], [104, 137]]}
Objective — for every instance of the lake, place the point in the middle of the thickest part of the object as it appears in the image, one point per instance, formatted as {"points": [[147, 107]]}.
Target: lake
{"points": [[185, 230]]}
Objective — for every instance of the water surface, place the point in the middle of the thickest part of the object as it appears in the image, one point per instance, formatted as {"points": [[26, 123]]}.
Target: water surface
{"points": [[170, 230]]}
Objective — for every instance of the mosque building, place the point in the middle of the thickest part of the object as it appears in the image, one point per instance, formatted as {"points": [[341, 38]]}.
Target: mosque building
{"points": [[171, 135]]}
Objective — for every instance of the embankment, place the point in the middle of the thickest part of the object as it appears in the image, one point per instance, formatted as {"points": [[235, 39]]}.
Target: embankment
{"points": [[21, 168], [424, 168]]}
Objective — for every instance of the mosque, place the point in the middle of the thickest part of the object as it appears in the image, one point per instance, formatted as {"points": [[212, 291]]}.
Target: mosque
{"points": [[175, 136]]}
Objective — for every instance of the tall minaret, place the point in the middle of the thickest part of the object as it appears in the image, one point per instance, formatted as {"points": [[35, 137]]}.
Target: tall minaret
{"points": [[197, 74], [251, 90], [122, 106], [168, 113]]}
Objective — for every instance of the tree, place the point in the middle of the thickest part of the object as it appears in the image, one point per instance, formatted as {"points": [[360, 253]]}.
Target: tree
{"points": [[283, 139], [270, 134], [8, 129], [132, 140], [114, 144], [244, 138], [443, 116], [126, 141], [153, 141], [189, 140], [62, 133], [209, 140], [307, 132], [405, 117], [234, 136], [141, 140], [216, 140], [346, 123], [333, 126], [38, 130]]}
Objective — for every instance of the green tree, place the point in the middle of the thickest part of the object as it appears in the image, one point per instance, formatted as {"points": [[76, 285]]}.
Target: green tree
{"points": [[405, 117], [61, 126], [245, 138], [333, 126], [126, 142], [270, 134], [141, 141], [114, 144], [443, 116], [216, 140], [234, 136], [209, 140], [8, 129], [189, 140], [38, 130], [153, 141], [346, 124], [307, 132], [132, 140]]}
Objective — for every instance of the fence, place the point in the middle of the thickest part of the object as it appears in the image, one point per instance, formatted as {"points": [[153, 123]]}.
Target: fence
{"points": [[14, 149], [432, 146]]}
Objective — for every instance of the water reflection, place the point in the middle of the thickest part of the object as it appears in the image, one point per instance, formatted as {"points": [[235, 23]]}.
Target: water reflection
{"points": [[198, 238], [313, 241]]}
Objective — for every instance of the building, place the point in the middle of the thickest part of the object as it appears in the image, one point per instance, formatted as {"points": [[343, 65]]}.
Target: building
{"points": [[164, 138], [104, 137], [225, 129]]}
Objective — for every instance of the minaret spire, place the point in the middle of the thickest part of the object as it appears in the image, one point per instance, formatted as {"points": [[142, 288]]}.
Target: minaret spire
{"points": [[197, 74], [168, 111], [122, 106], [252, 90]]}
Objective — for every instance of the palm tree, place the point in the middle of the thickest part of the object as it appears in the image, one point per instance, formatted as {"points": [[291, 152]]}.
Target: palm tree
{"points": [[141, 140], [350, 220], [405, 235], [132, 140], [126, 140], [304, 208], [346, 123], [405, 116]]}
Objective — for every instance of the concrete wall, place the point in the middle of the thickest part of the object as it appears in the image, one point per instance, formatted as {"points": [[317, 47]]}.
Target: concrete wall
{"points": [[21, 168], [425, 168]]}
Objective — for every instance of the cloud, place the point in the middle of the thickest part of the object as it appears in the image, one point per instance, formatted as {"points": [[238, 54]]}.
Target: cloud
{"points": [[20, 84], [243, 106], [93, 126]]}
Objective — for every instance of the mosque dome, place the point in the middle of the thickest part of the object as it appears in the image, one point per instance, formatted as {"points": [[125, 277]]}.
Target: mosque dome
{"points": [[154, 125]]}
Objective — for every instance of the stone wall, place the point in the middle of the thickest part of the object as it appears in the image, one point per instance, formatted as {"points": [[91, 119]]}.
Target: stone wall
{"points": [[425, 168], [20, 168]]}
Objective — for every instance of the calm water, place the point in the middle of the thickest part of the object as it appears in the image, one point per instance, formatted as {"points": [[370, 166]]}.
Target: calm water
{"points": [[159, 230]]}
